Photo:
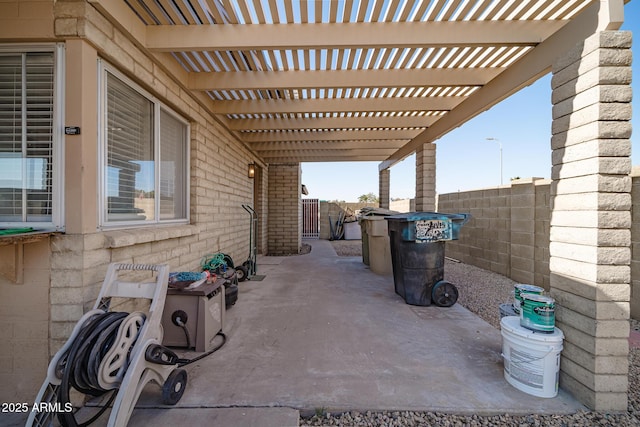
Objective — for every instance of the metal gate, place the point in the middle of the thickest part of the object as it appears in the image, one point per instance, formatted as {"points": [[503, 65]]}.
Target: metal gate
{"points": [[310, 219]]}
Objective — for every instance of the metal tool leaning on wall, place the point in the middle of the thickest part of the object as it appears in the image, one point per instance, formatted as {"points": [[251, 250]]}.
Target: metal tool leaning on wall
{"points": [[115, 352]]}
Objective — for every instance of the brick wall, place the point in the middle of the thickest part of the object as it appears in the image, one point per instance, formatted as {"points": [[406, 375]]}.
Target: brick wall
{"points": [[285, 209], [219, 184]]}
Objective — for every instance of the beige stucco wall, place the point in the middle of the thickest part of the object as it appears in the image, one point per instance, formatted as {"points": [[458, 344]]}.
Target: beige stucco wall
{"points": [[63, 274], [24, 316]]}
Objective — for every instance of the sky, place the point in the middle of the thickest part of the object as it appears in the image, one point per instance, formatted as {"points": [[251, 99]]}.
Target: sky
{"points": [[465, 159]]}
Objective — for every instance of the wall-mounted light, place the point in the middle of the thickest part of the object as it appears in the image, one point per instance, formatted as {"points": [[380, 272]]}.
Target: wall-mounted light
{"points": [[252, 170]]}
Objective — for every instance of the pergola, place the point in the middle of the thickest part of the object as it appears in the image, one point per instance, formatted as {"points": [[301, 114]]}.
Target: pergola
{"points": [[355, 80], [316, 81]]}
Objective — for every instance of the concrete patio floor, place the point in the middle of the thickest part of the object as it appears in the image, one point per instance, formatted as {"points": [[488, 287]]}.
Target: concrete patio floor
{"points": [[324, 332]]}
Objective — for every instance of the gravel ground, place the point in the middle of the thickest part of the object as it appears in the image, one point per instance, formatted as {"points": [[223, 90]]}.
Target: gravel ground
{"points": [[482, 292], [347, 247]]}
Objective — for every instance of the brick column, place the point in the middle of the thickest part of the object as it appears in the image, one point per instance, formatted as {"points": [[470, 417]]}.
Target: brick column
{"points": [[384, 188], [590, 218], [285, 209], [426, 178]]}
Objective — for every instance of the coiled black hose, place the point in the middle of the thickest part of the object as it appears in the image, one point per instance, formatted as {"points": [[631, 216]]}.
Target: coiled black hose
{"points": [[80, 366]]}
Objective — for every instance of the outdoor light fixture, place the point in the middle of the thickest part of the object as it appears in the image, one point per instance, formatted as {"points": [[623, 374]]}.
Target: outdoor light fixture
{"points": [[252, 170]]}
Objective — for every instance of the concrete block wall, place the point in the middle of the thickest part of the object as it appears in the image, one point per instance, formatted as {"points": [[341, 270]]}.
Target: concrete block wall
{"points": [[333, 210], [494, 254], [573, 236], [426, 178], [635, 243], [542, 217], [403, 205], [485, 241], [261, 197], [384, 188], [591, 216], [285, 209]]}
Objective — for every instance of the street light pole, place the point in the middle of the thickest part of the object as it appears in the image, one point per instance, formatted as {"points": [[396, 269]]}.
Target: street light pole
{"points": [[500, 146]]}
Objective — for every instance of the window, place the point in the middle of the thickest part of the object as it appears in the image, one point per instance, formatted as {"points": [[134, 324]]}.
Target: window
{"points": [[145, 156], [30, 186]]}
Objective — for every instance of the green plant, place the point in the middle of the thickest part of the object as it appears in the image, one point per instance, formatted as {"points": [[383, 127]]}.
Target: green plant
{"points": [[321, 412]]}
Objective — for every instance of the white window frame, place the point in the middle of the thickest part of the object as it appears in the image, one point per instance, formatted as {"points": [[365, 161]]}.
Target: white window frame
{"points": [[105, 68], [58, 139]]}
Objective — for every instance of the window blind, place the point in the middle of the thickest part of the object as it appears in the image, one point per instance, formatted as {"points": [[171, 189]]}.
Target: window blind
{"points": [[173, 167], [130, 154], [26, 136]]}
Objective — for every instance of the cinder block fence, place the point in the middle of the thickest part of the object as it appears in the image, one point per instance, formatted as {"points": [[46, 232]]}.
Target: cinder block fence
{"points": [[509, 231]]}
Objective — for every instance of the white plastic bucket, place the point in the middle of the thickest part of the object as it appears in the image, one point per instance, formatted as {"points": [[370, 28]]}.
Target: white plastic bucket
{"points": [[531, 359]]}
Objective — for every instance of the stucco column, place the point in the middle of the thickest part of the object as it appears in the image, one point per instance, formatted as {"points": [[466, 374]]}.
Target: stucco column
{"points": [[81, 150], [426, 178], [590, 219], [285, 209], [384, 186]]}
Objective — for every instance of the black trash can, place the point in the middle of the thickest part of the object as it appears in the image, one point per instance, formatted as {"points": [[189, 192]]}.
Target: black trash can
{"points": [[417, 242]]}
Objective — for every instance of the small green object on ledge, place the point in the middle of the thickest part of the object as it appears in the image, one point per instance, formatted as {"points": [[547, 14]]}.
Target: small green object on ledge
{"points": [[10, 231]]}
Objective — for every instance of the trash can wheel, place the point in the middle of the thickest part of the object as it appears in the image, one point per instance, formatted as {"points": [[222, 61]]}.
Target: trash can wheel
{"points": [[444, 294]]}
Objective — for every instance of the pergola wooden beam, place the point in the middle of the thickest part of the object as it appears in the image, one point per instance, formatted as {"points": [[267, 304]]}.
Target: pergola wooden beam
{"points": [[336, 105], [174, 38], [320, 153], [328, 156], [332, 123], [330, 135], [265, 80], [262, 147]]}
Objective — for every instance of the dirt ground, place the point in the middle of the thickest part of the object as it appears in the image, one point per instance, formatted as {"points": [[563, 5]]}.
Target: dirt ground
{"points": [[347, 247]]}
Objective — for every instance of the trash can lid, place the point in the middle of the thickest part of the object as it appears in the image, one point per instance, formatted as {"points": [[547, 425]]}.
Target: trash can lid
{"points": [[422, 216]]}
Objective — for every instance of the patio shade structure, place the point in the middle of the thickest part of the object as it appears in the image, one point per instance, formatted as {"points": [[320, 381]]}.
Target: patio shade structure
{"points": [[379, 80], [353, 80]]}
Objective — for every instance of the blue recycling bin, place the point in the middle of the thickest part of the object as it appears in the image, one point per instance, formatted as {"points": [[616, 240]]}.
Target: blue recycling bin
{"points": [[417, 242]]}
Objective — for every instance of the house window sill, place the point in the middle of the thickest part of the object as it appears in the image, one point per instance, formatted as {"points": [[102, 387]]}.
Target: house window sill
{"points": [[27, 237], [123, 238]]}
